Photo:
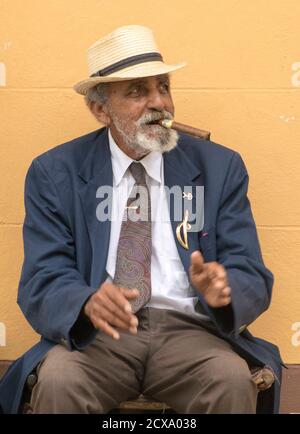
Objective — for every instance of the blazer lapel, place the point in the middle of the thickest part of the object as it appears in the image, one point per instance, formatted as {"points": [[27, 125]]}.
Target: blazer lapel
{"points": [[180, 171], [96, 173]]}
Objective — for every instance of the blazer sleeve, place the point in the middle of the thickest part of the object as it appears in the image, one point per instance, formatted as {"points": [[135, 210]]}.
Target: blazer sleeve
{"points": [[238, 250], [51, 291]]}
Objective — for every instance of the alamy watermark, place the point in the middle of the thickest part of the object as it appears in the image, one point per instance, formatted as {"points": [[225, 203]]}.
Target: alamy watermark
{"points": [[296, 335], [2, 335], [181, 202], [295, 79], [2, 74]]}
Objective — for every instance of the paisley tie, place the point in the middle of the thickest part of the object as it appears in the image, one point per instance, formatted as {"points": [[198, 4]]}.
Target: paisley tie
{"points": [[133, 264]]}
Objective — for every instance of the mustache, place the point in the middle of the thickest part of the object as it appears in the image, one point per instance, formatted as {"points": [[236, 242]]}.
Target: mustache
{"points": [[149, 118]]}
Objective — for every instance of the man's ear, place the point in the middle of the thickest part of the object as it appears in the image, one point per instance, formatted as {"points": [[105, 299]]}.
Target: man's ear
{"points": [[100, 112]]}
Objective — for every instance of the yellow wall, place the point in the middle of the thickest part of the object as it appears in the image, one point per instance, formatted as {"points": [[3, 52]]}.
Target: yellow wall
{"points": [[242, 82]]}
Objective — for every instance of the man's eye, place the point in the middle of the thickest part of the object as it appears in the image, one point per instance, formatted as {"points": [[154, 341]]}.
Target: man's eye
{"points": [[134, 92], [165, 87]]}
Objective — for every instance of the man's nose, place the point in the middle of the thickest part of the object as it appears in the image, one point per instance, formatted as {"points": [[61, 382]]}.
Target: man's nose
{"points": [[155, 101]]}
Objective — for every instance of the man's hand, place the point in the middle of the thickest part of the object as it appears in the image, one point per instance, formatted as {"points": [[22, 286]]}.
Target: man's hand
{"points": [[109, 307], [210, 279]]}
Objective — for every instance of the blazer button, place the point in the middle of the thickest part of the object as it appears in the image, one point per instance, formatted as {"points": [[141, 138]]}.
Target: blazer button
{"points": [[31, 381]]}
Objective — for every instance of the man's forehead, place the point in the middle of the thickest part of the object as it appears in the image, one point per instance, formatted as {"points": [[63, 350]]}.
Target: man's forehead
{"points": [[152, 78], [142, 80]]}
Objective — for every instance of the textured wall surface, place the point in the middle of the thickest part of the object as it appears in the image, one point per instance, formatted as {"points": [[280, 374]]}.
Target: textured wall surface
{"points": [[242, 83]]}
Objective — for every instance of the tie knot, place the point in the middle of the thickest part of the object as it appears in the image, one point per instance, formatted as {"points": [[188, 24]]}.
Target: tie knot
{"points": [[138, 172]]}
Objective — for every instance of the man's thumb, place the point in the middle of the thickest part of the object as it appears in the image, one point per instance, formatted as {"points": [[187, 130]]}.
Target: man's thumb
{"points": [[197, 261]]}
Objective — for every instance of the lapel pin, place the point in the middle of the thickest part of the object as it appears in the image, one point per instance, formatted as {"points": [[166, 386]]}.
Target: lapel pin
{"points": [[184, 226], [187, 196]]}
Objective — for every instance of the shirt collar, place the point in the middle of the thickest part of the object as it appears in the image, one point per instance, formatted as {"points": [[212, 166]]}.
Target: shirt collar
{"points": [[120, 162]]}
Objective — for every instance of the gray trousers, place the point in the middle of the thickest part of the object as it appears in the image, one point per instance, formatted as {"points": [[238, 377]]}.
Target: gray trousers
{"points": [[173, 358]]}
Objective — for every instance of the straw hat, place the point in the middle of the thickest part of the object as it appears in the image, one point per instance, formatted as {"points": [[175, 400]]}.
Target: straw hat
{"points": [[126, 53]]}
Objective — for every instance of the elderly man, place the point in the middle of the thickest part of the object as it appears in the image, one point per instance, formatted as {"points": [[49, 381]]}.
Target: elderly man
{"points": [[128, 297]]}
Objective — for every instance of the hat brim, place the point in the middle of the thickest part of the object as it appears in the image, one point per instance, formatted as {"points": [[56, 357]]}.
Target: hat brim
{"points": [[148, 69]]}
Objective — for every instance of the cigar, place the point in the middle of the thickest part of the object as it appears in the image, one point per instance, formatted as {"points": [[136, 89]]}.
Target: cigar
{"points": [[182, 128]]}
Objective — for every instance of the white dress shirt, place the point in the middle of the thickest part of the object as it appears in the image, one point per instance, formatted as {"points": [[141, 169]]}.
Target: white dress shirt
{"points": [[170, 287]]}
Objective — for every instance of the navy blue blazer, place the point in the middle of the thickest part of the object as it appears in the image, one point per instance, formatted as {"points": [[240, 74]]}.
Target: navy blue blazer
{"points": [[66, 247]]}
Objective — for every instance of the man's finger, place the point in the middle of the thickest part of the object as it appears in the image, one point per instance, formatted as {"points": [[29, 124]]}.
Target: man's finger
{"points": [[219, 285], [120, 297], [130, 293], [225, 301], [102, 316], [226, 292], [215, 270], [117, 313], [197, 262], [106, 328]]}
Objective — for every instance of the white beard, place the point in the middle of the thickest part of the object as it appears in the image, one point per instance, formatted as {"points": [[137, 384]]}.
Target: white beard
{"points": [[145, 138]]}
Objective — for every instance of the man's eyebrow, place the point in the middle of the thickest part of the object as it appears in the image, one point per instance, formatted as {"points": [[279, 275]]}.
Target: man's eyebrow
{"points": [[143, 81], [164, 78], [135, 83]]}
